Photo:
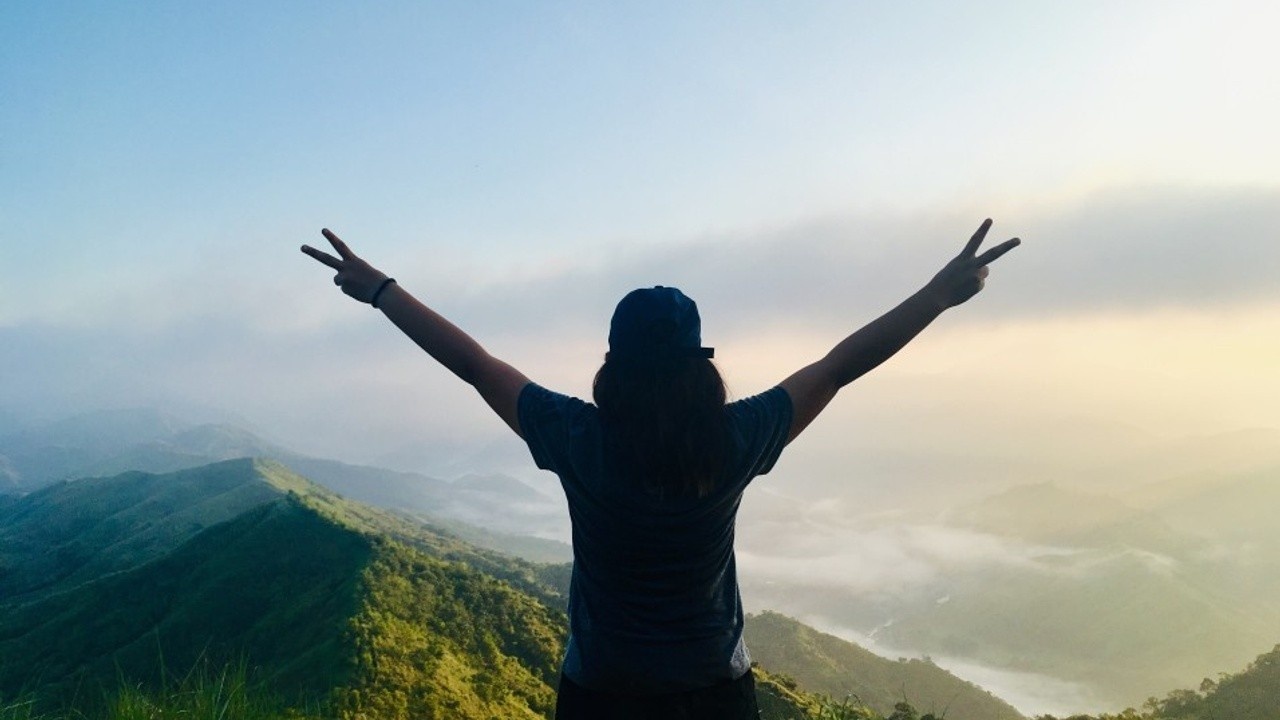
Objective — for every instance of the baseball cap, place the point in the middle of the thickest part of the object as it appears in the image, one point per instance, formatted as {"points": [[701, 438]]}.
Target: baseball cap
{"points": [[657, 321]]}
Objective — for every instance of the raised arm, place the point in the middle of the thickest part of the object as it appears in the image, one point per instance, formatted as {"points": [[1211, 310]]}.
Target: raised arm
{"points": [[498, 383], [813, 386]]}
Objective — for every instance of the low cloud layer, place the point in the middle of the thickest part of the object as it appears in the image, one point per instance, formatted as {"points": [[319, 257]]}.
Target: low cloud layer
{"points": [[832, 545]]}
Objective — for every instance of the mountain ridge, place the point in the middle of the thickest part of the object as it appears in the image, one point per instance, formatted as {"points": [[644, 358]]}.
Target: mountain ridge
{"points": [[328, 599], [503, 510]]}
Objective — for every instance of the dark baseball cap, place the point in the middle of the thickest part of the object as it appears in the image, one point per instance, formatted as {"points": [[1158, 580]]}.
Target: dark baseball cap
{"points": [[657, 321]]}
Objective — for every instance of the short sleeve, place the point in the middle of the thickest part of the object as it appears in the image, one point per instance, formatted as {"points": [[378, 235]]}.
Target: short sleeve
{"points": [[761, 424], [546, 422]]}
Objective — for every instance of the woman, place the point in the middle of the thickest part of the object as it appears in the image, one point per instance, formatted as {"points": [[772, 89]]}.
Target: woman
{"points": [[654, 472]]}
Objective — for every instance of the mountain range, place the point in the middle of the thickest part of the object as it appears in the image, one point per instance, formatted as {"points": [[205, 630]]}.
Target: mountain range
{"points": [[1124, 594], [333, 603]]}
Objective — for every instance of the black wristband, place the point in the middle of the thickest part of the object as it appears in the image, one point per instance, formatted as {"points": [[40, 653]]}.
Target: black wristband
{"points": [[374, 300]]}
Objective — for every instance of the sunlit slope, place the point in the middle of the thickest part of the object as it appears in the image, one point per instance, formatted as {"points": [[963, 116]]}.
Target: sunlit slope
{"points": [[71, 532], [826, 664], [321, 609], [234, 588]]}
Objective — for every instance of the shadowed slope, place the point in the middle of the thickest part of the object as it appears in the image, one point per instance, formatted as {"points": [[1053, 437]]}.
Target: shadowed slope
{"points": [[826, 664]]}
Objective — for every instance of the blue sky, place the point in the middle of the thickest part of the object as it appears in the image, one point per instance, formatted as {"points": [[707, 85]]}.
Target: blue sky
{"points": [[796, 167]]}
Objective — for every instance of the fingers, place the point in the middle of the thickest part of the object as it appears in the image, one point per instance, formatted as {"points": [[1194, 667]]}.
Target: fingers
{"points": [[972, 247], [323, 257], [337, 244], [994, 253]]}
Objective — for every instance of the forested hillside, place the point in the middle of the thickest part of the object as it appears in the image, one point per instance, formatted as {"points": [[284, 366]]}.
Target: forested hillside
{"points": [[322, 611], [120, 587]]}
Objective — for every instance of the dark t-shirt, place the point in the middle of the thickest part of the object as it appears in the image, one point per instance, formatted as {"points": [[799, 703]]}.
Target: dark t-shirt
{"points": [[653, 601]]}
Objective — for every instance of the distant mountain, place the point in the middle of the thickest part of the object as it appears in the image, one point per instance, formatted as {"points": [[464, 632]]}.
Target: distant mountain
{"points": [[501, 485], [525, 547], [1236, 508], [187, 447], [57, 450], [114, 441], [100, 430], [826, 664], [1051, 514]]}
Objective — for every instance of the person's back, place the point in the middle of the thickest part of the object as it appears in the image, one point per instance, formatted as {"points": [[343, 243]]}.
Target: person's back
{"points": [[654, 473], [654, 603]]}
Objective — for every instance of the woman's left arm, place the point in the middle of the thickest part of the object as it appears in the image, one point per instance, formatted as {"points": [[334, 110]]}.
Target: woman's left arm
{"points": [[496, 381]]}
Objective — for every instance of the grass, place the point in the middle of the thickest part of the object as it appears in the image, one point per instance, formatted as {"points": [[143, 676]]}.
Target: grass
{"points": [[226, 694]]}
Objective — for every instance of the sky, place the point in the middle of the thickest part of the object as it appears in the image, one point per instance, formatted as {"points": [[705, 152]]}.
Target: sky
{"points": [[797, 168]]}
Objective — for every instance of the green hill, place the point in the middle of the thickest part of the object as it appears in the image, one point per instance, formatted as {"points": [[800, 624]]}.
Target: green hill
{"points": [[108, 443], [133, 580], [826, 664], [231, 589], [320, 610], [72, 532]]}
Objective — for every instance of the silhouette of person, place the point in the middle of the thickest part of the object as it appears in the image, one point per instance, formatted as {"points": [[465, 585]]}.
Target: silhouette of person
{"points": [[654, 472]]}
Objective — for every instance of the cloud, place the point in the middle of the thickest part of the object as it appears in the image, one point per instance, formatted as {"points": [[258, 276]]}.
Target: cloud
{"points": [[286, 350], [829, 544], [1123, 249]]}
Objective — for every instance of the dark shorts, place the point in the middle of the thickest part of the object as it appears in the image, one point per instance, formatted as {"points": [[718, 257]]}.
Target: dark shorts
{"points": [[732, 700]]}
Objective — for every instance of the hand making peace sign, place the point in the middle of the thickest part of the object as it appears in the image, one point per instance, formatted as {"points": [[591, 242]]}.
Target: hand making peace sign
{"points": [[965, 275], [356, 277]]}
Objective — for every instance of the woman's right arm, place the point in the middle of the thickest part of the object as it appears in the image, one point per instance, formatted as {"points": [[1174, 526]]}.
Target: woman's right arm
{"points": [[496, 381], [812, 387]]}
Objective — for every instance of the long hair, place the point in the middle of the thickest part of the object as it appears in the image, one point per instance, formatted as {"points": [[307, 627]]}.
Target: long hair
{"points": [[664, 422]]}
